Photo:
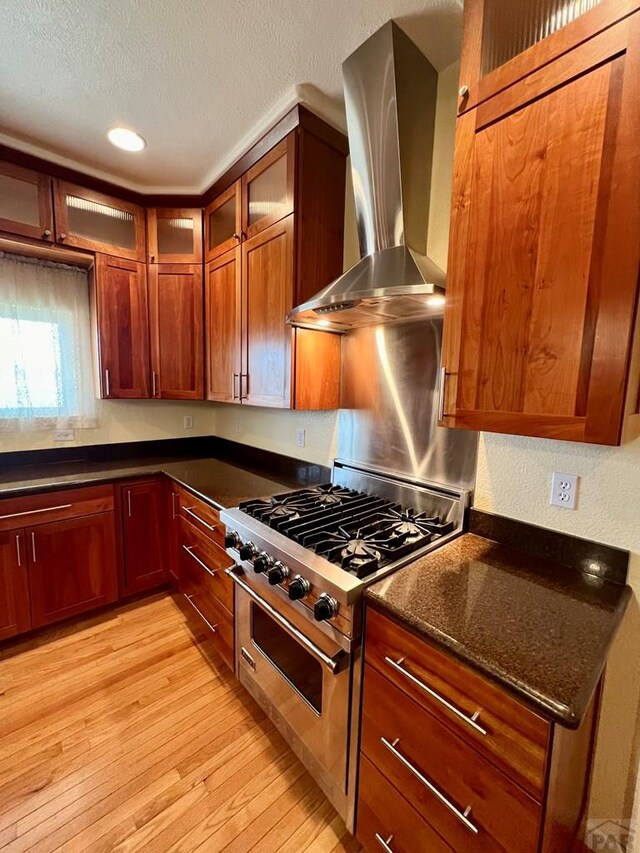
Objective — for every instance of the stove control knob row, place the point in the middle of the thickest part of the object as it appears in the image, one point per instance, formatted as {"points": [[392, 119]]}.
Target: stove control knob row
{"points": [[262, 563], [325, 608], [299, 588], [248, 551], [231, 539], [277, 573]]}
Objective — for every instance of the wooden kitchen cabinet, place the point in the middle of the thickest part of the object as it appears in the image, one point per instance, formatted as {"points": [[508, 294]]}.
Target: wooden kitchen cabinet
{"points": [[123, 327], [72, 567], [26, 202], [174, 235], [434, 732], [540, 332], [173, 536], [176, 329], [90, 220], [288, 247], [223, 222], [15, 615], [144, 535]]}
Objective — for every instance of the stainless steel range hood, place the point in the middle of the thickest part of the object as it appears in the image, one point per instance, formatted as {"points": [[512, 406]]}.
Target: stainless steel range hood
{"points": [[390, 96]]}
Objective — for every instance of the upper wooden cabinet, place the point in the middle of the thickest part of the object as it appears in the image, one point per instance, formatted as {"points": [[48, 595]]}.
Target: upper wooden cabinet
{"points": [[174, 235], [540, 322], [223, 222], [176, 315], [26, 206], [90, 220], [288, 248], [123, 327]]}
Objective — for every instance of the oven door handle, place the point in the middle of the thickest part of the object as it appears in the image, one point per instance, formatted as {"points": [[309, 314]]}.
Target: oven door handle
{"points": [[332, 663]]}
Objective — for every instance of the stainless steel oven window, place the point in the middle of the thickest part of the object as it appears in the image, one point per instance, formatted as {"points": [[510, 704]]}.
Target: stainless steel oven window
{"points": [[302, 671]]}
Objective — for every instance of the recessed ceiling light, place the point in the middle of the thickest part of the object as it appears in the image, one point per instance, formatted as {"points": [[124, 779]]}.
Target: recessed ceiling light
{"points": [[128, 140], [324, 322]]}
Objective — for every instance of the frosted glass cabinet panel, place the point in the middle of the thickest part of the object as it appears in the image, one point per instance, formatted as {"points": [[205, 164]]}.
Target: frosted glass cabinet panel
{"points": [[268, 193], [511, 26], [90, 220], [25, 202], [175, 235], [222, 222]]}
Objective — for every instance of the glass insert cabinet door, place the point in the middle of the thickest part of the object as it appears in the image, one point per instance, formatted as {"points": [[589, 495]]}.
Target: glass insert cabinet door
{"points": [[174, 235], [25, 202], [268, 188], [222, 222], [91, 220]]}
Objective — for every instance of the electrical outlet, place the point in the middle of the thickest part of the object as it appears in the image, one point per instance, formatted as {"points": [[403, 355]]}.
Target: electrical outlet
{"points": [[64, 435], [237, 424], [188, 421], [564, 490], [300, 438]]}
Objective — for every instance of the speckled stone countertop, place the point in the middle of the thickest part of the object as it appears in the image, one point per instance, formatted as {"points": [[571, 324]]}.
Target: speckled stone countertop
{"points": [[541, 631], [221, 483]]}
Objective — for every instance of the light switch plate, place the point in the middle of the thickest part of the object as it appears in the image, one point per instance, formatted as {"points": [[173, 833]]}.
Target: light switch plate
{"points": [[564, 490], [300, 438], [188, 421]]}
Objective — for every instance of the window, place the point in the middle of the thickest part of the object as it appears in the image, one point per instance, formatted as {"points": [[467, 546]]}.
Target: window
{"points": [[46, 379]]}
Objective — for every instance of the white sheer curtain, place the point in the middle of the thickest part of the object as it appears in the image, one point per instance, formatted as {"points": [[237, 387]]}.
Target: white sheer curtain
{"points": [[46, 374]]}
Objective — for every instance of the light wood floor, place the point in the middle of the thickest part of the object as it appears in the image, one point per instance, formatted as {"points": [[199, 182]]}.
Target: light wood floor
{"points": [[118, 733]]}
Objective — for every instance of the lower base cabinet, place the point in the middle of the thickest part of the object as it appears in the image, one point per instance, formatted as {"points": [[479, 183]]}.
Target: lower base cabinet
{"points": [[144, 535], [15, 612], [449, 761]]}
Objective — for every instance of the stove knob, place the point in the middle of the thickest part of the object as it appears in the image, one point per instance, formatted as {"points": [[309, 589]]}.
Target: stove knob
{"points": [[278, 573], [262, 563], [248, 551], [298, 588], [231, 539], [325, 608]]}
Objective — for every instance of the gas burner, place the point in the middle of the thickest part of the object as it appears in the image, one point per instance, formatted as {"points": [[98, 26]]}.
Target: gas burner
{"points": [[279, 507], [357, 553], [360, 551], [330, 495], [414, 525]]}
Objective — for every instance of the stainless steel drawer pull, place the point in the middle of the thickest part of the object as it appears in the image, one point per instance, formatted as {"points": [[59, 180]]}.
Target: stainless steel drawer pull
{"points": [[384, 844], [470, 721], [201, 520], [36, 511], [107, 382], [18, 554], [33, 546], [189, 550], [463, 817], [200, 613]]}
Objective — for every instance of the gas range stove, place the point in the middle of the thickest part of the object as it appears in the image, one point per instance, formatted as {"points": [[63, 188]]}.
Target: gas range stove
{"points": [[320, 546]]}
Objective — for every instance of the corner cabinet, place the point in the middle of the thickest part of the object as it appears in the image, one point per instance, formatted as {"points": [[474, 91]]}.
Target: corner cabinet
{"points": [[540, 333], [145, 538], [282, 231]]}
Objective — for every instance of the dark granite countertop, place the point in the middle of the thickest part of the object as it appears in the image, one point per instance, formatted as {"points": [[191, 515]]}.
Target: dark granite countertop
{"points": [[223, 484], [541, 631]]}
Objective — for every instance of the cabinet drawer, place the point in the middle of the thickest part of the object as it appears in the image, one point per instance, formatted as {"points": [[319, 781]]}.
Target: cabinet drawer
{"points": [[443, 776], [54, 506], [202, 515], [210, 612], [385, 817], [503, 730], [204, 559]]}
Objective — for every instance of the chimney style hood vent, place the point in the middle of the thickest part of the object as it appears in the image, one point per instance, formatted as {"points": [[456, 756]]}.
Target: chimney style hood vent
{"points": [[390, 97]]}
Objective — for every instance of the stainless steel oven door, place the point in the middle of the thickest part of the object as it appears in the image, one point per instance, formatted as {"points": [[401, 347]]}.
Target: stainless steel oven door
{"points": [[301, 679]]}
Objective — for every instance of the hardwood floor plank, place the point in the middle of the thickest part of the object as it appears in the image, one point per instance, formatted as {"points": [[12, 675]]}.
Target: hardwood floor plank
{"points": [[125, 732]]}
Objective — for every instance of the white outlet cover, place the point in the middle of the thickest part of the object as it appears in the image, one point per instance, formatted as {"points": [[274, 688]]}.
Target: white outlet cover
{"points": [[300, 438], [64, 435], [564, 490], [188, 421]]}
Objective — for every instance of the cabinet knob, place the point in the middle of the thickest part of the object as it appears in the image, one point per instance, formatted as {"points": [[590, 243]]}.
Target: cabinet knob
{"points": [[236, 235], [463, 91], [62, 237], [46, 232]]}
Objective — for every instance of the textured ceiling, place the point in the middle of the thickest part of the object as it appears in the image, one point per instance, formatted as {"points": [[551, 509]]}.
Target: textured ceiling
{"points": [[199, 79]]}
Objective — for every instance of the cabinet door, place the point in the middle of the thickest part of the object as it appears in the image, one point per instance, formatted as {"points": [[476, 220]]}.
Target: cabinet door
{"points": [[267, 287], [223, 322], [144, 512], [123, 327], [174, 235], [26, 206], [175, 309], [72, 567], [543, 262], [268, 188], [223, 222], [90, 220], [15, 616], [173, 533]]}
